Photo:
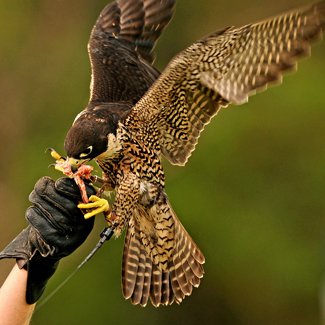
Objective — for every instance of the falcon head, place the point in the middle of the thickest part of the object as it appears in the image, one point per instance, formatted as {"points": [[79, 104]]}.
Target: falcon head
{"points": [[92, 134]]}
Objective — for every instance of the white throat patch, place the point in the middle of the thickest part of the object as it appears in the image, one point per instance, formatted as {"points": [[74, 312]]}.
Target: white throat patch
{"points": [[113, 148]]}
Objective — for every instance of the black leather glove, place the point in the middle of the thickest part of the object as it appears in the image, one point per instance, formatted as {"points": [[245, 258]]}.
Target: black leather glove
{"points": [[56, 228]]}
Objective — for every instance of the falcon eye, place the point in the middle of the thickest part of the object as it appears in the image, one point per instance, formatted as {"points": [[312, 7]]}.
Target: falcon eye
{"points": [[87, 152]]}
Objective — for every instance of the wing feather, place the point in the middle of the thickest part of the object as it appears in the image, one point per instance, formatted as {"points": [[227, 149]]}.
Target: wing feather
{"points": [[121, 48], [223, 68]]}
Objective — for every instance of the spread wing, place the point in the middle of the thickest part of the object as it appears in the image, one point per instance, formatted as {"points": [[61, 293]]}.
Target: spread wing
{"points": [[121, 48], [223, 68]]}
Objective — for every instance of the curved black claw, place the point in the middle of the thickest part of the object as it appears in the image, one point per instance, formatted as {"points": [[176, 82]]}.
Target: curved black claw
{"points": [[55, 154]]}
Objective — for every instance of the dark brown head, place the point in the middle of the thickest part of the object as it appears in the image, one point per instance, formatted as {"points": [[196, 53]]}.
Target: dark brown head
{"points": [[88, 136]]}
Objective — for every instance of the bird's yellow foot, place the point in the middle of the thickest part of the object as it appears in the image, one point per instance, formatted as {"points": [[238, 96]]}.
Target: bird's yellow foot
{"points": [[96, 205], [56, 155], [61, 163]]}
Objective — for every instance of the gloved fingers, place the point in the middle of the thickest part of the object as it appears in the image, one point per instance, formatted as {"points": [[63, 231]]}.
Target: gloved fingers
{"points": [[45, 222], [57, 217], [55, 230], [54, 204]]}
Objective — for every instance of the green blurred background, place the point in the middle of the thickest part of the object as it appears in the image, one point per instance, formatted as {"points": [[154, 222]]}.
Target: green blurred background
{"points": [[252, 195]]}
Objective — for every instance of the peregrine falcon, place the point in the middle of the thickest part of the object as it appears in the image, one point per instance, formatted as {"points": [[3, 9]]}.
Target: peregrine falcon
{"points": [[136, 116]]}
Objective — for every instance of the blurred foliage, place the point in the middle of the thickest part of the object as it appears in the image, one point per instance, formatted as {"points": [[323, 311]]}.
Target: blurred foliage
{"points": [[252, 195]]}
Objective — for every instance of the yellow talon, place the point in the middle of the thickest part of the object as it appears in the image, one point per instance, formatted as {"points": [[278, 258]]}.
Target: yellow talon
{"points": [[59, 168], [56, 155], [98, 204]]}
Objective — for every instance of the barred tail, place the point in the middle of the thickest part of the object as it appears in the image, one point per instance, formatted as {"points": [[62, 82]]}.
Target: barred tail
{"points": [[160, 260]]}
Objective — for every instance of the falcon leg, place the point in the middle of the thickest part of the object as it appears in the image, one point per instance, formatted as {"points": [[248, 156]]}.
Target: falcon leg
{"points": [[97, 181], [127, 196]]}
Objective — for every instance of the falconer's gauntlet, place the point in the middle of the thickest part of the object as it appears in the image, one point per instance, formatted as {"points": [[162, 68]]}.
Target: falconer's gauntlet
{"points": [[56, 228]]}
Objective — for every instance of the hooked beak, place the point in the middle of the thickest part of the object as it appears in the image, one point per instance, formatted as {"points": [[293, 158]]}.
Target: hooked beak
{"points": [[75, 163]]}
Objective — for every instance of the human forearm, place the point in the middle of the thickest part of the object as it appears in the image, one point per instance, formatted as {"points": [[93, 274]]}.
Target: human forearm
{"points": [[13, 307]]}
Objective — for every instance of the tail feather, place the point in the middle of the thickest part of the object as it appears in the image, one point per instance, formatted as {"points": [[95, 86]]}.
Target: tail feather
{"points": [[183, 283], [165, 290], [139, 282], [146, 284], [170, 274], [196, 282], [155, 287], [180, 258], [131, 262], [196, 268], [171, 291], [179, 294]]}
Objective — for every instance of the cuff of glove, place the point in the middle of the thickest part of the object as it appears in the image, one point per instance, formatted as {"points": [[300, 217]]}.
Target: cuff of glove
{"points": [[37, 261], [40, 270]]}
